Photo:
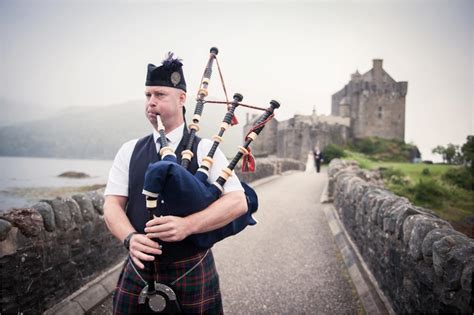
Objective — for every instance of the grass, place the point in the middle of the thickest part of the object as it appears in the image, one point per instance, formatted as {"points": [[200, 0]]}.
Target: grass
{"points": [[423, 185]]}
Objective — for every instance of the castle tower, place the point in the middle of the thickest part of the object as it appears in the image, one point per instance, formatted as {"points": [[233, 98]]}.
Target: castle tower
{"points": [[377, 70], [375, 102], [345, 107]]}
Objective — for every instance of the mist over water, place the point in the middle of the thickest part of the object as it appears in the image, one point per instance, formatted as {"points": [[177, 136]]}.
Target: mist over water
{"points": [[23, 180], [90, 53]]}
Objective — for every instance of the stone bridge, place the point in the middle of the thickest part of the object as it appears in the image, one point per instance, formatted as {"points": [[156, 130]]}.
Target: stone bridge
{"points": [[326, 243]]}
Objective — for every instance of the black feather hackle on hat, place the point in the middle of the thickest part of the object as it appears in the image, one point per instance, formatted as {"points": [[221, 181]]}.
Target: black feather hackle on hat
{"points": [[170, 63]]}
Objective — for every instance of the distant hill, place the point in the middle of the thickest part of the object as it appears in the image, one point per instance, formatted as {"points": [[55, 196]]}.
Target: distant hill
{"points": [[13, 112], [98, 132]]}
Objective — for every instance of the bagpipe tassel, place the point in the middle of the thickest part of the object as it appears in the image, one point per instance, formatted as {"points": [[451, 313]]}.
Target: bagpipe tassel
{"points": [[234, 121], [248, 162]]}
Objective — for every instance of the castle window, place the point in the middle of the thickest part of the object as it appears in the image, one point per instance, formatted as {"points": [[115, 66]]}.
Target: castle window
{"points": [[380, 112]]}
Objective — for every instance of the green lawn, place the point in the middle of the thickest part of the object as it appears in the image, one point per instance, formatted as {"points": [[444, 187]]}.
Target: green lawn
{"points": [[414, 171], [422, 184]]}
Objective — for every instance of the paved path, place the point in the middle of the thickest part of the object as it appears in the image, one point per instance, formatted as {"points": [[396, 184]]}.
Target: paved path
{"points": [[288, 263]]}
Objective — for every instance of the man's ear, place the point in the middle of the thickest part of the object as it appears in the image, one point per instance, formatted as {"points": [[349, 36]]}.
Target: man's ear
{"points": [[182, 98]]}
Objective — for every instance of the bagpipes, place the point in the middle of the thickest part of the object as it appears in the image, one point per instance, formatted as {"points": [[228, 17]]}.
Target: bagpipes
{"points": [[185, 193]]}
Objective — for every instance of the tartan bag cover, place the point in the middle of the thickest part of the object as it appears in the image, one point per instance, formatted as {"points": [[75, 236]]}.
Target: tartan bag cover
{"points": [[197, 293]]}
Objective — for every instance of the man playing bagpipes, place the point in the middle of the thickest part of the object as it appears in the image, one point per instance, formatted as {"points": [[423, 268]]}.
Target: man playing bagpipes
{"points": [[189, 269]]}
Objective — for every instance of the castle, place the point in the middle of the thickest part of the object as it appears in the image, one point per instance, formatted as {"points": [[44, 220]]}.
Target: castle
{"points": [[370, 105]]}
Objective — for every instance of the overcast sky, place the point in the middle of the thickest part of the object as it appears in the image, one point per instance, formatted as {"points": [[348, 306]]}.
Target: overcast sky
{"points": [[82, 53]]}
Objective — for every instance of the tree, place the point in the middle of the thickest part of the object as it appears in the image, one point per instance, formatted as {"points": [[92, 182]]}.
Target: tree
{"points": [[463, 177], [451, 154], [451, 151], [467, 150], [441, 151], [332, 151]]}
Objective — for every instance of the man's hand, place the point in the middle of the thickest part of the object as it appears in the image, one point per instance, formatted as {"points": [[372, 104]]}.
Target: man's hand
{"points": [[168, 228], [140, 247]]}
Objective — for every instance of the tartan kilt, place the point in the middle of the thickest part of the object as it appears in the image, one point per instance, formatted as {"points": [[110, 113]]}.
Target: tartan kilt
{"points": [[197, 293]]}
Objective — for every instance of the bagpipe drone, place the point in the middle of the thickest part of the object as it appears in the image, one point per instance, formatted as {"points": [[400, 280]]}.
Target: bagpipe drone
{"points": [[185, 193]]}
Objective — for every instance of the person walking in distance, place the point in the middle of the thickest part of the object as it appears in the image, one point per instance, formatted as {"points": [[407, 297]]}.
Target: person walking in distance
{"points": [[318, 158]]}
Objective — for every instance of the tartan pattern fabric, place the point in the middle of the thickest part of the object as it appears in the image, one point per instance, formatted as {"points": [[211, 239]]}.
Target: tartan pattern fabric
{"points": [[197, 293]]}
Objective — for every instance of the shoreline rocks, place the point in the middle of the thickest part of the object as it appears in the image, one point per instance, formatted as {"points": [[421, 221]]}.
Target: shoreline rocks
{"points": [[73, 174]]}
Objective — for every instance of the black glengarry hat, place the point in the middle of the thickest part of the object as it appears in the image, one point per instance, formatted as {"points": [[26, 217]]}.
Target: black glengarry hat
{"points": [[170, 73]]}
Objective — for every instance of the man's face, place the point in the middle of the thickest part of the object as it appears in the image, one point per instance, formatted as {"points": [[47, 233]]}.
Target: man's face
{"points": [[166, 101]]}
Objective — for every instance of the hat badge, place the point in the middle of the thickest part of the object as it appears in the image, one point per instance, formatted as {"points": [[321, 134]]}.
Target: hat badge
{"points": [[175, 78]]}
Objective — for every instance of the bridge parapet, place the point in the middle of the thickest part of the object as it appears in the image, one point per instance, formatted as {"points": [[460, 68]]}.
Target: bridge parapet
{"points": [[270, 166], [419, 261], [50, 250]]}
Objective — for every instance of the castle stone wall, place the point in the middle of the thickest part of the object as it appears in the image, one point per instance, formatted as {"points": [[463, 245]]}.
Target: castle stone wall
{"points": [[265, 143], [323, 134], [295, 137], [381, 113], [421, 264], [376, 104]]}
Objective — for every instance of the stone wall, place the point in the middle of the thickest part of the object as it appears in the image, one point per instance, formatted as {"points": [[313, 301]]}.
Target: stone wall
{"points": [[50, 250], [265, 143], [269, 166], [298, 135], [421, 264]]}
